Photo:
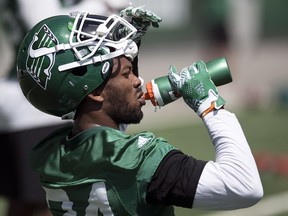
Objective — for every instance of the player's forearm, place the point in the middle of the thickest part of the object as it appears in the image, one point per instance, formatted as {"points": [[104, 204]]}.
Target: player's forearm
{"points": [[232, 181]]}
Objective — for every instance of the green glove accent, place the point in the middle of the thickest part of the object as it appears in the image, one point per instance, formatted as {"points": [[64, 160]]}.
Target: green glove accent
{"points": [[195, 85], [141, 19]]}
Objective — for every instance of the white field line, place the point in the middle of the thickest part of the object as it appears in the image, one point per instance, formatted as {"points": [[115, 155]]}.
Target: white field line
{"points": [[269, 206]]}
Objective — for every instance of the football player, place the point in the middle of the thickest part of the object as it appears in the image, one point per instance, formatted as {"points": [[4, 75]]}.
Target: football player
{"points": [[83, 66]]}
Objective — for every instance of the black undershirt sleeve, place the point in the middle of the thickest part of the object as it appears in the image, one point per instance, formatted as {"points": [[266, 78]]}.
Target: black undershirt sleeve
{"points": [[175, 180]]}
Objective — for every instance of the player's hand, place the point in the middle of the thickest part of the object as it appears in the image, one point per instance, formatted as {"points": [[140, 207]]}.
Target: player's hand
{"points": [[198, 90], [141, 19]]}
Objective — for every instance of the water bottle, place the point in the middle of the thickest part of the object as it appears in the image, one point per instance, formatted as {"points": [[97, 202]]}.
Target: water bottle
{"points": [[160, 91]]}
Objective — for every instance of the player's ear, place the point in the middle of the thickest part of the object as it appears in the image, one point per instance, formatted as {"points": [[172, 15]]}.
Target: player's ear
{"points": [[95, 96]]}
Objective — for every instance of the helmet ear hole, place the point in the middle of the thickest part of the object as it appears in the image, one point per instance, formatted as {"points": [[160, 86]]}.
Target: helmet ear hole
{"points": [[79, 71]]}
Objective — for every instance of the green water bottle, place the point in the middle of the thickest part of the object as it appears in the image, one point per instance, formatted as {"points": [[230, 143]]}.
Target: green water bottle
{"points": [[160, 91]]}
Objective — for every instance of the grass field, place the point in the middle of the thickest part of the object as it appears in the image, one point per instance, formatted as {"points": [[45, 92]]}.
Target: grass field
{"points": [[267, 135]]}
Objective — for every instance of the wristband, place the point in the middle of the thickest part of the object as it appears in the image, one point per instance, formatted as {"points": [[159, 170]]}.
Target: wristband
{"points": [[210, 109]]}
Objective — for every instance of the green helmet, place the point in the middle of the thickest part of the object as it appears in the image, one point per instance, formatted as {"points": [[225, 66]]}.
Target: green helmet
{"points": [[64, 58]]}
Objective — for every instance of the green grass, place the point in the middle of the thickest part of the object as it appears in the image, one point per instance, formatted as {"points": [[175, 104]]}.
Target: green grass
{"points": [[266, 131]]}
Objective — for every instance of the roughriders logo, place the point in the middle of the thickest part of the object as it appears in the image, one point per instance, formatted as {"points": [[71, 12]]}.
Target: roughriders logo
{"points": [[40, 67]]}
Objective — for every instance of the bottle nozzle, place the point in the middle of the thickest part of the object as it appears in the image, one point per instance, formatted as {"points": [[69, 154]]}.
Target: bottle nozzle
{"points": [[149, 95], [146, 96]]}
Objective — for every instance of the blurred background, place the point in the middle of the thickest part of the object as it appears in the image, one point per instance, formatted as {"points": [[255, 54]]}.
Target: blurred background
{"points": [[251, 34]]}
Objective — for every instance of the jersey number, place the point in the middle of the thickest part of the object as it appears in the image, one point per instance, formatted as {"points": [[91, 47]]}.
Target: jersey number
{"points": [[97, 201]]}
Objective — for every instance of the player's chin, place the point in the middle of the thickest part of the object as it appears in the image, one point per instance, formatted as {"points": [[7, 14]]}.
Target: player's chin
{"points": [[133, 118], [136, 116]]}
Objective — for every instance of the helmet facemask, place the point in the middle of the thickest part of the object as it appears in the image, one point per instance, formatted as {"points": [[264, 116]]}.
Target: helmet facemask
{"points": [[90, 33]]}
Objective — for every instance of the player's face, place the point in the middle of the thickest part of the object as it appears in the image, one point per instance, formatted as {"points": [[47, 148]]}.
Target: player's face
{"points": [[123, 96]]}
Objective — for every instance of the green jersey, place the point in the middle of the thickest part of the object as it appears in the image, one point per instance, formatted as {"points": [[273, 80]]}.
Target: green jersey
{"points": [[101, 171]]}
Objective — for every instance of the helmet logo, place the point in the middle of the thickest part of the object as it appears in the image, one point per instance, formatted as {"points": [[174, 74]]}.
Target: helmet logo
{"points": [[105, 67], [40, 67]]}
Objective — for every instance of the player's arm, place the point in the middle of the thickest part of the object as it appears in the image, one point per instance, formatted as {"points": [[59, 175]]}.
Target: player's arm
{"points": [[175, 180], [232, 181]]}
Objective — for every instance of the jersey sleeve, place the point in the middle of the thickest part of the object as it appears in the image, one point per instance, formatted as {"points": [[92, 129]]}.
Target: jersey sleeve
{"points": [[175, 181], [231, 181]]}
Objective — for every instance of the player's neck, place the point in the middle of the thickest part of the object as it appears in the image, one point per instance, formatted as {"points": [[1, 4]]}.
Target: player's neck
{"points": [[86, 121]]}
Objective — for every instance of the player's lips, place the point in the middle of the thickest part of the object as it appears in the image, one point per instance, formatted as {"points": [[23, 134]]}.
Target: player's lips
{"points": [[142, 98]]}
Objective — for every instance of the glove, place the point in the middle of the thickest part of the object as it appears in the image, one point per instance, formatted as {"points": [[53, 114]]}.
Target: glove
{"points": [[198, 90], [141, 19]]}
